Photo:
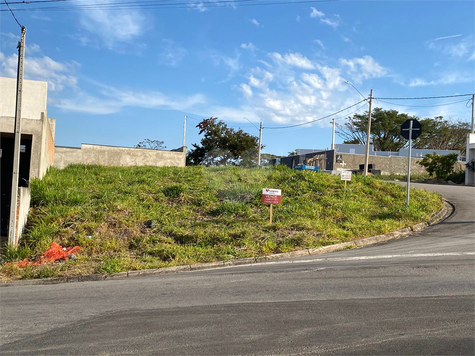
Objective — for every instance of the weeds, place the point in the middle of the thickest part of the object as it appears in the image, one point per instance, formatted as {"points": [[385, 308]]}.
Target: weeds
{"points": [[200, 215]]}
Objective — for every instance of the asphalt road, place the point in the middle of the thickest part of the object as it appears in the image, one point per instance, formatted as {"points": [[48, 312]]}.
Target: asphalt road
{"points": [[412, 296]]}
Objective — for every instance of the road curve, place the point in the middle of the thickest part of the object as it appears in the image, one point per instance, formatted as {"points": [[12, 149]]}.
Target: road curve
{"points": [[408, 296]]}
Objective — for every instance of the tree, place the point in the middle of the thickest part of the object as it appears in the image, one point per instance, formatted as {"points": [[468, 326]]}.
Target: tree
{"points": [[222, 145], [437, 133], [385, 129], [439, 165], [440, 134], [151, 144]]}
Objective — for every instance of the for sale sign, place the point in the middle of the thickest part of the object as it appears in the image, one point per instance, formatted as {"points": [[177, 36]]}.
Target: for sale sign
{"points": [[271, 196], [346, 175]]}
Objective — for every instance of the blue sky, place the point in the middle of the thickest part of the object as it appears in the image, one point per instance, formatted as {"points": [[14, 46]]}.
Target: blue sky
{"points": [[118, 76]]}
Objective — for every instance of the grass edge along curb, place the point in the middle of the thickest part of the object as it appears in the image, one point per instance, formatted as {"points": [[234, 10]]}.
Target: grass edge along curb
{"points": [[446, 211]]}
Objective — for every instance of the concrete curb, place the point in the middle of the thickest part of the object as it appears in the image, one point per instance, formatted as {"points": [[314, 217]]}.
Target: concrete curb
{"points": [[443, 214]]}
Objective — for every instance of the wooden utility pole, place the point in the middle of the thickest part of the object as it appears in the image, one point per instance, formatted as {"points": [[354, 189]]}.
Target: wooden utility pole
{"points": [[259, 148], [368, 135], [12, 227]]}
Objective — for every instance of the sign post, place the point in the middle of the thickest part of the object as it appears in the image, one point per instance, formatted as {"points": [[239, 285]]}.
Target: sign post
{"points": [[410, 129], [271, 196], [345, 176]]}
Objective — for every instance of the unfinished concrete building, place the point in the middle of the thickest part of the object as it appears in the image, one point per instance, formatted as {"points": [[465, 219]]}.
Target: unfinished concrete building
{"points": [[37, 144]]}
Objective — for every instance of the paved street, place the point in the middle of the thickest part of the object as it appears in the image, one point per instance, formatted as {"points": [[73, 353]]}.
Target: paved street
{"points": [[409, 296]]}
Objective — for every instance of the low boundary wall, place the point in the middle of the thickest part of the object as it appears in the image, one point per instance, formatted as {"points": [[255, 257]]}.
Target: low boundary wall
{"points": [[117, 156]]}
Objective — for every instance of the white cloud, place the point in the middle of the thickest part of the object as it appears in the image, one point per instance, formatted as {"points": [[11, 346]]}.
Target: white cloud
{"points": [[314, 80], [32, 48], [111, 100], [230, 62], [112, 27], [363, 68], [255, 22], [453, 46], [333, 80], [345, 39], [246, 90], [297, 18], [445, 37], [320, 43], [171, 54], [198, 6], [85, 103], [248, 46], [446, 79], [417, 82], [315, 13], [36, 16], [292, 89], [58, 75], [294, 59], [333, 21]]}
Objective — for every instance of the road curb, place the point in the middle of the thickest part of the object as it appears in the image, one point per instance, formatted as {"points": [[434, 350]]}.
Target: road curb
{"points": [[438, 217]]}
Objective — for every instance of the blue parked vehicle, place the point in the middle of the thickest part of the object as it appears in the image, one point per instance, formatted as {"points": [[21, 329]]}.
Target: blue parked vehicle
{"points": [[304, 167]]}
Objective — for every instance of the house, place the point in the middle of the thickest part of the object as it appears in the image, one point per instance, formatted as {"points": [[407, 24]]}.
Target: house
{"points": [[38, 150]]}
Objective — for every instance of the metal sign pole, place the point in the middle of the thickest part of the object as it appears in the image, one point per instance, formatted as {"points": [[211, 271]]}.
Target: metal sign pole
{"points": [[409, 164]]}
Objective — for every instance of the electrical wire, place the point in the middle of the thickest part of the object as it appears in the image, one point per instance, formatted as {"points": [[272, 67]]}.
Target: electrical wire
{"points": [[312, 121], [251, 123], [164, 4], [423, 106], [6, 3], [427, 97]]}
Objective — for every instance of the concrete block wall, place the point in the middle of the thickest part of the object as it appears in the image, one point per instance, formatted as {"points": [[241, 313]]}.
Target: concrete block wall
{"points": [[387, 165], [117, 156]]}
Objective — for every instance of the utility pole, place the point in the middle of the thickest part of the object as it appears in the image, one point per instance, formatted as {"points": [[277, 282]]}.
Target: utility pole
{"points": [[184, 132], [473, 109], [368, 135], [333, 134], [12, 227], [259, 148]]}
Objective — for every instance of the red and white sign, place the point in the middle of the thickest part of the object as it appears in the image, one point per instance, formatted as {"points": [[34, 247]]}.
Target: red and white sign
{"points": [[271, 196], [346, 175]]}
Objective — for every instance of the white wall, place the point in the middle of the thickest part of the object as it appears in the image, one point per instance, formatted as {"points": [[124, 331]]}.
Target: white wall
{"points": [[470, 176], [34, 98]]}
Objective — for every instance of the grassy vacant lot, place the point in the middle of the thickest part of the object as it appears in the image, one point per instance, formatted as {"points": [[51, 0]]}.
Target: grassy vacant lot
{"points": [[200, 215]]}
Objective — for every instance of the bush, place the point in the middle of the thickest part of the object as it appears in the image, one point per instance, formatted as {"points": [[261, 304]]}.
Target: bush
{"points": [[439, 165]]}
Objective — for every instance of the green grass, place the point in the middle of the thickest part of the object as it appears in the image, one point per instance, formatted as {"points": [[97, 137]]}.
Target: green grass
{"points": [[201, 215]]}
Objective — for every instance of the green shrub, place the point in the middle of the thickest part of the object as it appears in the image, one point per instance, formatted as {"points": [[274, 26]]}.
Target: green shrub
{"points": [[439, 165]]}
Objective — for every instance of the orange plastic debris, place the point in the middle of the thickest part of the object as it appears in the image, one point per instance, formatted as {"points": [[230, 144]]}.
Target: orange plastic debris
{"points": [[54, 253]]}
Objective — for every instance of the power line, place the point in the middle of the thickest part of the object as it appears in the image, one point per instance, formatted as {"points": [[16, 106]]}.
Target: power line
{"points": [[13, 14], [164, 4], [423, 106], [312, 121], [251, 122], [427, 97]]}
